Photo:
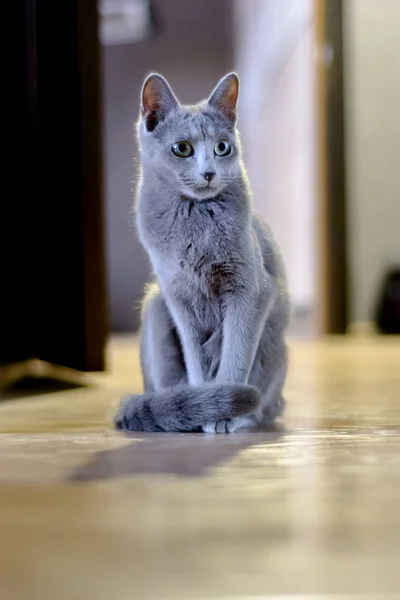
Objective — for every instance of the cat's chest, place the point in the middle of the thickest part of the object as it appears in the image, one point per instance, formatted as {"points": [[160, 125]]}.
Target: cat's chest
{"points": [[207, 271], [195, 258], [198, 268], [191, 229], [197, 251]]}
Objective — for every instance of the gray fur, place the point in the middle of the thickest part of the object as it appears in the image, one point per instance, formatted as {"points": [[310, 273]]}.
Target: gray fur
{"points": [[213, 352]]}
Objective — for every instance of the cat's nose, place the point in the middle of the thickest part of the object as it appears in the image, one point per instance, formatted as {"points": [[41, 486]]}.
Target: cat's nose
{"points": [[209, 175]]}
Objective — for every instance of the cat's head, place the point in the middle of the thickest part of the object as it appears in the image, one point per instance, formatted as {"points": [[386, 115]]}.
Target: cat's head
{"points": [[195, 149]]}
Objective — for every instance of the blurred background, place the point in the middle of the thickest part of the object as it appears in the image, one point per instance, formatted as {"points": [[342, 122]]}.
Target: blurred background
{"points": [[281, 49], [320, 90], [193, 44]]}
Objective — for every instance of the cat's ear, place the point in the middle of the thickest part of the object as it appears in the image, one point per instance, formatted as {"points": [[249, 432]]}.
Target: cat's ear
{"points": [[225, 96], [157, 100]]}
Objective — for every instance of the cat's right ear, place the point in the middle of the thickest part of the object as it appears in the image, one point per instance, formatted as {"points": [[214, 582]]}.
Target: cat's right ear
{"points": [[225, 96], [157, 100]]}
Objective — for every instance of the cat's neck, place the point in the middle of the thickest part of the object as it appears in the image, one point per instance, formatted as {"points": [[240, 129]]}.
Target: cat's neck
{"points": [[162, 207]]}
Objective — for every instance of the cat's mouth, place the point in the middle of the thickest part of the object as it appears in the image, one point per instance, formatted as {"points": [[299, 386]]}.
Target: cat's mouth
{"points": [[202, 188], [201, 192]]}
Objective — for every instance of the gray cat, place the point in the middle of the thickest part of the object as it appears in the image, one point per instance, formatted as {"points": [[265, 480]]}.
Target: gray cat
{"points": [[213, 353]]}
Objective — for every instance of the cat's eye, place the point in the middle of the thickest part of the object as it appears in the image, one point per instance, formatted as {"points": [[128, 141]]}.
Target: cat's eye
{"points": [[182, 149], [222, 148]]}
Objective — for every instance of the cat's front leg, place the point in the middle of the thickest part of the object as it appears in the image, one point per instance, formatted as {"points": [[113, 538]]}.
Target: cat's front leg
{"points": [[190, 341], [244, 321]]}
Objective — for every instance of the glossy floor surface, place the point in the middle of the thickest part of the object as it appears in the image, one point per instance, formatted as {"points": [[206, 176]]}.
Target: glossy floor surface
{"points": [[310, 510]]}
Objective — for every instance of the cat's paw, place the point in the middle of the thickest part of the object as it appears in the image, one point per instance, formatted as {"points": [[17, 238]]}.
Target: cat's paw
{"points": [[223, 425]]}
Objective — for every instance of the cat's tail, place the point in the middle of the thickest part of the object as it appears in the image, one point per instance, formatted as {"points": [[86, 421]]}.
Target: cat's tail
{"points": [[185, 408]]}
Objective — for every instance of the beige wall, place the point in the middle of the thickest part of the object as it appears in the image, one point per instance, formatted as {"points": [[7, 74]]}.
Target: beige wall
{"points": [[372, 97], [274, 54]]}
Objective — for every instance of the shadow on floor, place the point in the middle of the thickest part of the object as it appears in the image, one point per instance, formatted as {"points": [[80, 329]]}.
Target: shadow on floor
{"points": [[33, 386], [185, 455]]}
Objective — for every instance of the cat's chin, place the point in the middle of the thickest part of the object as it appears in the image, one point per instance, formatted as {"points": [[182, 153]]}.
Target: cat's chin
{"points": [[206, 193]]}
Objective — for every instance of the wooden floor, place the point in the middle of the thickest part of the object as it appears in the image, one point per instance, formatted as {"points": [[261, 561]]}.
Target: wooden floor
{"points": [[310, 510]]}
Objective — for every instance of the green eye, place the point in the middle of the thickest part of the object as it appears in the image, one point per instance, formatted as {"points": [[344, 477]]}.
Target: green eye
{"points": [[182, 149], [222, 148]]}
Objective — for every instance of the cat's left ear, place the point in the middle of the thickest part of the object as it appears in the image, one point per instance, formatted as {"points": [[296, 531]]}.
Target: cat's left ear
{"points": [[225, 96], [157, 100]]}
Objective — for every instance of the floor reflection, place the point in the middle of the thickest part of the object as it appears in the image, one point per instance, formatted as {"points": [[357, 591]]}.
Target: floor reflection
{"points": [[185, 455]]}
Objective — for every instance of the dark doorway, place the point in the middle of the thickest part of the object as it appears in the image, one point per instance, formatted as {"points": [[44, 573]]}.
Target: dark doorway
{"points": [[53, 301]]}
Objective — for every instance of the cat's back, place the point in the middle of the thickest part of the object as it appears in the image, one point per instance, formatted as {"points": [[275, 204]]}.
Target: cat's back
{"points": [[272, 259]]}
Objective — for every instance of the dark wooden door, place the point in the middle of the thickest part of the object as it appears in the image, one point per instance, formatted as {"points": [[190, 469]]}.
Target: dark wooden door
{"points": [[333, 261], [53, 303]]}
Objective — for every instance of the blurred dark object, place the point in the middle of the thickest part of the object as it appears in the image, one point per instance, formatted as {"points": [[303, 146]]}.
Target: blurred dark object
{"points": [[53, 300], [388, 313]]}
